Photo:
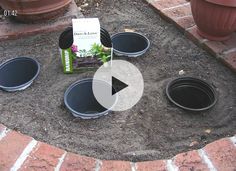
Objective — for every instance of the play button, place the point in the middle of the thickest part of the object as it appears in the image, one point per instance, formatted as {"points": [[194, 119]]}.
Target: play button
{"points": [[126, 85], [117, 85]]}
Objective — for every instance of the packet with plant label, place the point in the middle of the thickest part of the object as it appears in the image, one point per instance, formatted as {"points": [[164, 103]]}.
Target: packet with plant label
{"points": [[86, 49], [86, 32]]}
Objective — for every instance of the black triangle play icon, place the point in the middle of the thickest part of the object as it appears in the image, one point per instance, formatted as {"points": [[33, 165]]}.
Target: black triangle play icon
{"points": [[117, 85]]}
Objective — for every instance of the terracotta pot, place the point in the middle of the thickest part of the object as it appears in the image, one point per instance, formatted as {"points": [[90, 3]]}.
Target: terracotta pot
{"points": [[35, 10], [215, 19]]}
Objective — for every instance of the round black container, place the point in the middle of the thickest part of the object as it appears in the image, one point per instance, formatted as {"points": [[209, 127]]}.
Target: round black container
{"points": [[107, 37], [130, 44], [81, 102], [18, 73], [191, 94], [66, 38]]}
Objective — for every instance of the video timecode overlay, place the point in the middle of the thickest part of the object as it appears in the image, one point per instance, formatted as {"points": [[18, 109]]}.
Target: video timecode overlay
{"points": [[8, 13]]}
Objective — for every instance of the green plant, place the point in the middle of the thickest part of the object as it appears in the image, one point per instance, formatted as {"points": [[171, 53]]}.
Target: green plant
{"points": [[102, 53], [99, 51]]}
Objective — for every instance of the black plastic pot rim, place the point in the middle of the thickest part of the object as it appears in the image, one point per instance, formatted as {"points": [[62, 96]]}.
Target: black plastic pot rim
{"points": [[133, 54], [25, 85], [186, 108], [87, 115]]}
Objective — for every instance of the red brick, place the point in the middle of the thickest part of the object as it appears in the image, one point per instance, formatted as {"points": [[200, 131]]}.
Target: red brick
{"points": [[43, 157], [115, 166], [178, 12], [162, 4], [222, 154], [230, 60], [184, 23], [190, 161], [215, 48], [231, 42], [158, 165], [13, 30], [11, 147], [73, 162], [194, 36]]}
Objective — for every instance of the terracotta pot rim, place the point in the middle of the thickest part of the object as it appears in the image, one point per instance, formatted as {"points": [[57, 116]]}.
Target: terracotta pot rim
{"points": [[36, 8], [44, 10], [228, 3]]}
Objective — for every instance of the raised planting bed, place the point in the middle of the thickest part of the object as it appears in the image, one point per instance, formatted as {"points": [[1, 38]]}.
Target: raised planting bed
{"points": [[153, 129]]}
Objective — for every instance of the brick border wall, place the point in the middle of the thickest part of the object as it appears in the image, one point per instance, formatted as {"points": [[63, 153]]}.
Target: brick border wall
{"points": [[179, 13], [23, 153]]}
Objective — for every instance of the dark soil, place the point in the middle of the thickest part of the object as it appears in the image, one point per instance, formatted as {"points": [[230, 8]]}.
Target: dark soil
{"points": [[154, 128], [88, 6]]}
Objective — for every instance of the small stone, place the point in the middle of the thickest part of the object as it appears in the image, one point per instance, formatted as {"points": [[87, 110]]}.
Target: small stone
{"points": [[208, 131], [181, 72], [84, 5], [129, 30], [142, 111], [194, 143]]}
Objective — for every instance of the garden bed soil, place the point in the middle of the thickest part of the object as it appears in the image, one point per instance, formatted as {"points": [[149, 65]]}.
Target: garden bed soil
{"points": [[88, 6], [152, 129]]}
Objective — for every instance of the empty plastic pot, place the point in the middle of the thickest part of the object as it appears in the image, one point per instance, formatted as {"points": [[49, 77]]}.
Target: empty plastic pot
{"points": [[191, 94], [18, 73], [130, 44], [81, 102]]}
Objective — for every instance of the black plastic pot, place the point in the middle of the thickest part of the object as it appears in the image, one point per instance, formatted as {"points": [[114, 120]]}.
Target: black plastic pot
{"points": [[191, 94], [130, 44], [81, 102], [66, 38], [18, 73], [105, 33], [106, 40]]}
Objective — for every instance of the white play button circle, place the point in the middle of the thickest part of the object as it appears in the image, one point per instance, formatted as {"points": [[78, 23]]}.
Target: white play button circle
{"points": [[126, 85]]}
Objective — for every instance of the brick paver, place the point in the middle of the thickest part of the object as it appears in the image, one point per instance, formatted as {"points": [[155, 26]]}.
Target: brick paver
{"points": [[158, 165], [190, 161], [115, 166], [11, 147], [222, 154], [192, 34], [17, 154], [73, 162], [163, 4], [230, 60], [43, 157], [180, 12], [184, 22]]}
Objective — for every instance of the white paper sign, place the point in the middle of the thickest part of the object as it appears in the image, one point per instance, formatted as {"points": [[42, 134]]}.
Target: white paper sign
{"points": [[86, 32]]}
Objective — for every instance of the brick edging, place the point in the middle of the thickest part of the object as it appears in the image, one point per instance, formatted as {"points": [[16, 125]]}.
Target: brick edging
{"points": [[179, 13], [21, 152]]}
